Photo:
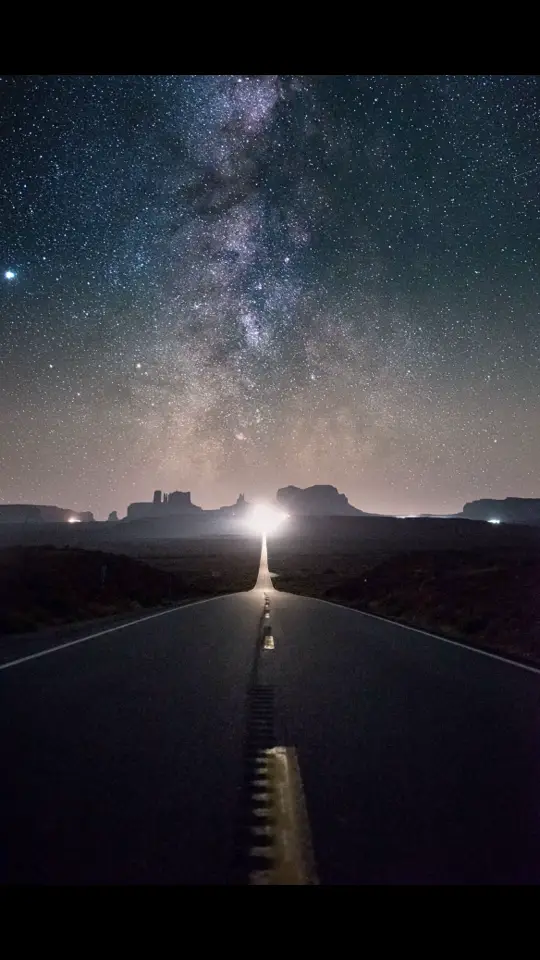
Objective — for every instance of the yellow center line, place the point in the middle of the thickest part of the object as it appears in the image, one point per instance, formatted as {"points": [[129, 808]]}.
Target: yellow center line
{"points": [[290, 853]]}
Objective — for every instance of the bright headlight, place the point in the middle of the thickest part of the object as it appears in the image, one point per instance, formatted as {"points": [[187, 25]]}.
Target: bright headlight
{"points": [[264, 518]]}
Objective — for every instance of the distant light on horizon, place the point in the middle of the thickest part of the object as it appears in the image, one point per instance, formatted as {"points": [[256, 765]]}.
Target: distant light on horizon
{"points": [[74, 520], [494, 520], [263, 518]]}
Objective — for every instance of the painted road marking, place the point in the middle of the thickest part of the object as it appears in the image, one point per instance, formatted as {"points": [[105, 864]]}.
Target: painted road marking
{"points": [[101, 633], [289, 852], [425, 633], [268, 639]]}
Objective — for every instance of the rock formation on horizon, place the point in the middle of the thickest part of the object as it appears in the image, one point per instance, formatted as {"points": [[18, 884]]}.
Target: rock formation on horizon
{"points": [[236, 510], [509, 510], [178, 504], [173, 504], [39, 513], [319, 500]]}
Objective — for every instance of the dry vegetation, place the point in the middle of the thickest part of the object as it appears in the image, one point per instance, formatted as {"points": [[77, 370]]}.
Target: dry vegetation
{"points": [[43, 586], [470, 581]]}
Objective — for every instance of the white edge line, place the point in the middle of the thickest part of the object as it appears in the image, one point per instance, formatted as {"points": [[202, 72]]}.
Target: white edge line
{"points": [[101, 633], [425, 633]]}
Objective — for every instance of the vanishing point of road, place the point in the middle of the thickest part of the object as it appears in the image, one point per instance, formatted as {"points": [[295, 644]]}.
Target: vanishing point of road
{"points": [[124, 755]]}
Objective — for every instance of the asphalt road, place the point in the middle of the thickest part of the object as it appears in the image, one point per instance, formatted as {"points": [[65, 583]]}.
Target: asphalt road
{"points": [[420, 758], [122, 757]]}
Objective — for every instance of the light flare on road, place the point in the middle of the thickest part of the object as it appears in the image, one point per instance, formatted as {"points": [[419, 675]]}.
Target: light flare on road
{"points": [[264, 580]]}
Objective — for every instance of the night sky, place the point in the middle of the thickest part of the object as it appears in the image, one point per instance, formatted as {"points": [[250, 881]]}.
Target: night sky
{"points": [[233, 283]]}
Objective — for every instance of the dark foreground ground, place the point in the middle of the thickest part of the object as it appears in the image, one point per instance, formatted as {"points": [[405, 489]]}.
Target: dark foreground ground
{"points": [[470, 581], [50, 586], [128, 757]]}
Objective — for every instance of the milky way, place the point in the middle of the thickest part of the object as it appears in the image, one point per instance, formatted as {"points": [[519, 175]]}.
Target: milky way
{"points": [[232, 283]]}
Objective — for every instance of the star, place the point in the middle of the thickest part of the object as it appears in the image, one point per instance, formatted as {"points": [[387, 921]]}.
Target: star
{"points": [[10, 274]]}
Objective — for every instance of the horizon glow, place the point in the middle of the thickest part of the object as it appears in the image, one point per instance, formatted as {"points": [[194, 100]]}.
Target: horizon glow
{"points": [[264, 518]]}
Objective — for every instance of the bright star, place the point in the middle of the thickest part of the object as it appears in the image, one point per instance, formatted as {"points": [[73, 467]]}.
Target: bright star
{"points": [[10, 274]]}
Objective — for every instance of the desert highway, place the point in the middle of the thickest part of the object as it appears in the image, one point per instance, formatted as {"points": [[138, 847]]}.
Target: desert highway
{"points": [[124, 756]]}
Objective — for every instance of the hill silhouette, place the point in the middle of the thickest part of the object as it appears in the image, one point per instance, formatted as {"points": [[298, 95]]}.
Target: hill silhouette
{"points": [[320, 500]]}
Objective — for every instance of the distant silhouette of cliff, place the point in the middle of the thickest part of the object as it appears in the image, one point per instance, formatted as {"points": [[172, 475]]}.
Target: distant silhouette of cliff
{"points": [[178, 504], [509, 510], [319, 500], [236, 510], [37, 513], [172, 504], [19, 513]]}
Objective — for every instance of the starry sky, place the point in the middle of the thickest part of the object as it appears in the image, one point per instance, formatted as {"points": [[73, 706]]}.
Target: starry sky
{"points": [[233, 283]]}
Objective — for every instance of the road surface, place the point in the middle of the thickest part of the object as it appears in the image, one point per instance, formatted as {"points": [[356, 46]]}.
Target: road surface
{"points": [[123, 757]]}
